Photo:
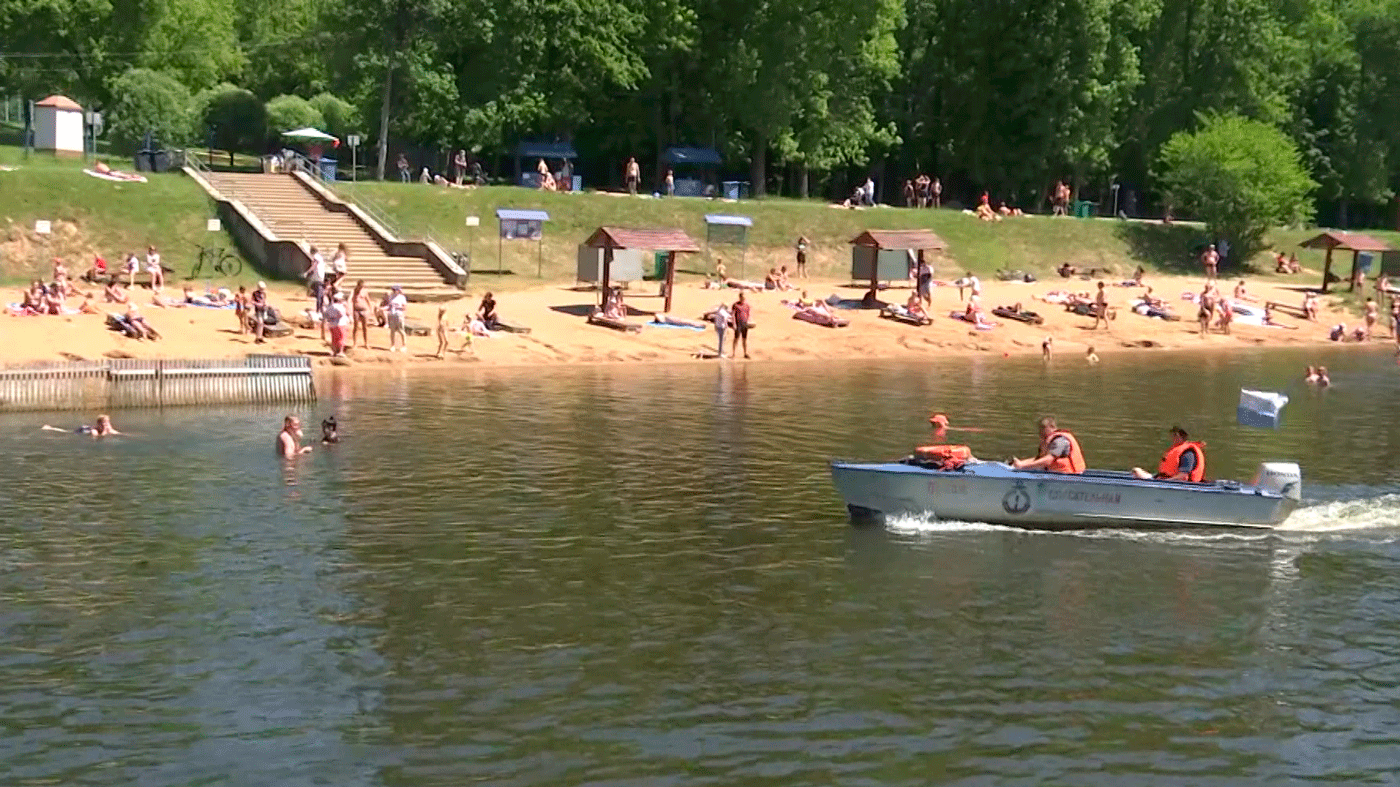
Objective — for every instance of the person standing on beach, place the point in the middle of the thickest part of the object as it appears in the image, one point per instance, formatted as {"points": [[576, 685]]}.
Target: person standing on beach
{"points": [[633, 175], [442, 332], [1372, 314], [1210, 260], [801, 271], [394, 308], [1100, 308], [742, 312], [360, 311], [289, 439], [924, 281], [721, 325]]}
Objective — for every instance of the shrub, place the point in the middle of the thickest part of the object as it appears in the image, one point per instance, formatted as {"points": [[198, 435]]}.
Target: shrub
{"points": [[340, 115], [144, 101], [238, 118], [285, 113]]}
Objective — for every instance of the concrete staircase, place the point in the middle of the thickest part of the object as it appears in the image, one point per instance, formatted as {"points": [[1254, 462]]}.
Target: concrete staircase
{"points": [[295, 210]]}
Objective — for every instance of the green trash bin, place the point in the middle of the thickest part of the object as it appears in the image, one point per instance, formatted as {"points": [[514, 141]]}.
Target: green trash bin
{"points": [[1083, 209], [660, 272]]}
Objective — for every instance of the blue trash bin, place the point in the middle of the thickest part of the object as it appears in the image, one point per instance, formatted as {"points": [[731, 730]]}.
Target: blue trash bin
{"points": [[731, 189], [328, 169]]}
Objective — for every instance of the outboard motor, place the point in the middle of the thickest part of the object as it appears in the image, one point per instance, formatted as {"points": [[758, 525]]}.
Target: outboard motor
{"points": [[1284, 478]]}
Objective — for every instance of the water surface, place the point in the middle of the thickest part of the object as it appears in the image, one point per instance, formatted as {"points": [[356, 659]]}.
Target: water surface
{"points": [[629, 576]]}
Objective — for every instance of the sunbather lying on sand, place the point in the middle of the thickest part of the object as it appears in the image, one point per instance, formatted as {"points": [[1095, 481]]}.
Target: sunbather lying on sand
{"points": [[138, 323], [818, 313], [671, 319]]}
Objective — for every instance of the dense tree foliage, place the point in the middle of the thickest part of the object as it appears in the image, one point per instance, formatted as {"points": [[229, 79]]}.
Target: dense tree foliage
{"points": [[796, 94], [1242, 177]]}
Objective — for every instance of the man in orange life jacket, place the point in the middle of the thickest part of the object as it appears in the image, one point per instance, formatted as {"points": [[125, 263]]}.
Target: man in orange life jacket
{"points": [[1184, 461], [1059, 451]]}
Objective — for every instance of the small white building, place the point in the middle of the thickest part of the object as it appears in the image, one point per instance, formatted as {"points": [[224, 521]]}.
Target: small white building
{"points": [[58, 126]]}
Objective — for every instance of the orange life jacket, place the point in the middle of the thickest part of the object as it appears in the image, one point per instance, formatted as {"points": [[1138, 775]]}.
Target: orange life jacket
{"points": [[951, 457], [1074, 463], [1172, 458]]}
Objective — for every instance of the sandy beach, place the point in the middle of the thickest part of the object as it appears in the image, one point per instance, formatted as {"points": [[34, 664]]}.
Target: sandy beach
{"points": [[560, 334]]}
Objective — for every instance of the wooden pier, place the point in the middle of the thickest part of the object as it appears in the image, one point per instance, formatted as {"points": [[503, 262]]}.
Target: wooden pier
{"points": [[112, 384]]}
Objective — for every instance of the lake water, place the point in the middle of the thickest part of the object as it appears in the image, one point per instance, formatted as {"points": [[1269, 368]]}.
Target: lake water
{"points": [[642, 576]]}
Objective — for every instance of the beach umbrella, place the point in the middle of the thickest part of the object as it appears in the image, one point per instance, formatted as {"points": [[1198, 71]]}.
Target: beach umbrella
{"points": [[309, 134]]}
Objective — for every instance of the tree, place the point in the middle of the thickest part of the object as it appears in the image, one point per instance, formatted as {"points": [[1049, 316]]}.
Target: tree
{"points": [[285, 113], [1241, 177], [236, 116], [149, 101]]}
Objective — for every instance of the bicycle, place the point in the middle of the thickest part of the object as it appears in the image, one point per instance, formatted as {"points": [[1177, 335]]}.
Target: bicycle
{"points": [[220, 261]]}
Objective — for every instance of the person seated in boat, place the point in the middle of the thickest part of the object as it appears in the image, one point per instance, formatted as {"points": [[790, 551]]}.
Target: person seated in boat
{"points": [[1059, 451], [1185, 460]]}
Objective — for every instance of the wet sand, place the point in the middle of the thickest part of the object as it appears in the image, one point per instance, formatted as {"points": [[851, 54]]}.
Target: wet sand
{"points": [[560, 334]]}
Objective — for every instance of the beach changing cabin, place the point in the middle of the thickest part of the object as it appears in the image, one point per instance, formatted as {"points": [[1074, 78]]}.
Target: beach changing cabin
{"points": [[58, 126], [888, 255]]}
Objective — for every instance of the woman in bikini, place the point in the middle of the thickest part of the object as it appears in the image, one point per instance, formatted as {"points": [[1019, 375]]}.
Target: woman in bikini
{"points": [[360, 308]]}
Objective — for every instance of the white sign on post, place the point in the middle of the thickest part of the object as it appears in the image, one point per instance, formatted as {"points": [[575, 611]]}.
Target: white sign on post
{"points": [[213, 225], [42, 227], [354, 140], [473, 221]]}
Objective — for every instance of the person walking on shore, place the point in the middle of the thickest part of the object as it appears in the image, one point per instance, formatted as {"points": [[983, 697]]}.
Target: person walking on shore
{"points": [[801, 271], [394, 307], [721, 325], [633, 175], [742, 311], [1210, 260]]}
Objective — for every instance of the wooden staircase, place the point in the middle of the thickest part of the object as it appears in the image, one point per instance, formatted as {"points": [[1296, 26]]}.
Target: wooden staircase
{"points": [[293, 212]]}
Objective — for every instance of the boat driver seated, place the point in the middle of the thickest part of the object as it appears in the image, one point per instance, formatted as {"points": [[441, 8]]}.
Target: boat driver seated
{"points": [[1184, 461], [1059, 451]]}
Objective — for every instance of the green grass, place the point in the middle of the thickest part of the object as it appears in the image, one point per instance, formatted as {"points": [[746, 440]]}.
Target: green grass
{"points": [[1035, 244], [91, 216]]}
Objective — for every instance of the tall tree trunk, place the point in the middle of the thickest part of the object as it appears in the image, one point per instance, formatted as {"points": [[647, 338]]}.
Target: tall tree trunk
{"points": [[384, 117], [758, 167], [1342, 218], [802, 181]]}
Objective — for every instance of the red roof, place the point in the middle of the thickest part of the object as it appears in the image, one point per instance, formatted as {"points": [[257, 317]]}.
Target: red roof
{"points": [[1347, 241], [60, 102], [650, 239], [899, 239]]}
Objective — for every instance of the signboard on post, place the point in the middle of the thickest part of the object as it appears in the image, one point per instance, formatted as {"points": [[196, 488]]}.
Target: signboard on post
{"points": [[213, 225], [473, 221], [521, 225], [522, 229]]}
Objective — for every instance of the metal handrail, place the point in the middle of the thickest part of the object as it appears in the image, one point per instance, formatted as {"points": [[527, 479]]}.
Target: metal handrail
{"points": [[364, 202]]}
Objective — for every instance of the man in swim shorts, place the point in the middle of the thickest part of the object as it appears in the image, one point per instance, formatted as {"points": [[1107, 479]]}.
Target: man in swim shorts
{"points": [[289, 439]]}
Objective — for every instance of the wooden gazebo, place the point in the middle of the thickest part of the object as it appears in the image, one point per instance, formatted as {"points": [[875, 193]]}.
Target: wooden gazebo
{"points": [[873, 248], [1346, 241], [670, 241]]}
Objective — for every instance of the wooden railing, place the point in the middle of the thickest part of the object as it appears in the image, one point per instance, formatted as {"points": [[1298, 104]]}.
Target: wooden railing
{"points": [[78, 385]]}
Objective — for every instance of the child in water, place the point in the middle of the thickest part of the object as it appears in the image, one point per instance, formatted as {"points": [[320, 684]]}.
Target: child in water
{"points": [[330, 431], [103, 428]]}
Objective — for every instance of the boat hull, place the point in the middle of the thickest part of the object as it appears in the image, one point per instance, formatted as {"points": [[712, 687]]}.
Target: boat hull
{"points": [[994, 493]]}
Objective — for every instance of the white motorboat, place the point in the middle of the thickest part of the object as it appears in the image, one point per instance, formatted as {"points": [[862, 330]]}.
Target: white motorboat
{"points": [[993, 492]]}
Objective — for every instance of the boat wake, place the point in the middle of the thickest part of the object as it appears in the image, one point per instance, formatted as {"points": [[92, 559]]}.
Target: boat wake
{"points": [[1368, 513], [929, 524]]}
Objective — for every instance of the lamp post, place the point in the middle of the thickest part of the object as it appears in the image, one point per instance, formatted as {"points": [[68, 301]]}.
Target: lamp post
{"points": [[1114, 187]]}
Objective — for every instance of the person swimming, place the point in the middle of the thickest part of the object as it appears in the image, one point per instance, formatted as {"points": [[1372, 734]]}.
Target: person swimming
{"points": [[1311, 376], [103, 428], [330, 431]]}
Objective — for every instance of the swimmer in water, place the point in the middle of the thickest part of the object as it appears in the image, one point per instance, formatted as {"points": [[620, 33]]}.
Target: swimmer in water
{"points": [[1311, 376], [1045, 347], [103, 428], [289, 439], [1322, 379], [1091, 356], [330, 432]]}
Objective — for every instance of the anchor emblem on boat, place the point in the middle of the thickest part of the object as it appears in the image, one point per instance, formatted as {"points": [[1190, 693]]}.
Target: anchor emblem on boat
{"points": [[1017, 501]]}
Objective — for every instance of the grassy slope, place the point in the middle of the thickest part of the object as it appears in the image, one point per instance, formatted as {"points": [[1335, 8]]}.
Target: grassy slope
{"points": [[1033, 243], [92, 216]]}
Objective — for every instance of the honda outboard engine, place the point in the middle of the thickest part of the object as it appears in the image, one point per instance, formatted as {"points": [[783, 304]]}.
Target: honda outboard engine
{"points": [[1284, 478]]}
